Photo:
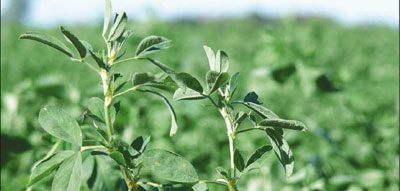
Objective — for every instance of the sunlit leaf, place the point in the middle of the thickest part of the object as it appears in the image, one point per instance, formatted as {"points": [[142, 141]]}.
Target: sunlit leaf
{"points": [[74, 41], [48, 40], [68, 176], [152, 44], [258, 154], [282, 123]]}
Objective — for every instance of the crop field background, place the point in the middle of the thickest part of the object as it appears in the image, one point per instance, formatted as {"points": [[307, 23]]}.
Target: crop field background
{"points": [[342, 81]]}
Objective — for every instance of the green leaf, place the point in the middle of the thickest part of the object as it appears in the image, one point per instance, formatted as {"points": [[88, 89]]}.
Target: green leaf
{"points": [[282, 123], [211, 58], [222, 61], [60, 124], [223, 172], [68, 176], [118, 157], [87, 45], [187, 95], [142, 78], [48, 40], [98, 60], [260, 110], [169, 166], [282, 150], [75, 41], [221, 80], [45, 167], [190, 82], [119, 27], [200, 186], [238, 160], [107, 15], [252, 97], [174, 124], [96, 106], [152, 44], [258, 154]]}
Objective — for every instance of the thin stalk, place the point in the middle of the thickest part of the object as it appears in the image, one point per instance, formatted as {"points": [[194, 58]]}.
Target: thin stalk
{"points": [[124, 92], [93, 148], [126, 60], [250, 129], [87, 63]]}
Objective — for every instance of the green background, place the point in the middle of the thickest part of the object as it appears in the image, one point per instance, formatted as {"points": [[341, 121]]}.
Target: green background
{"points": [[351, 111]]}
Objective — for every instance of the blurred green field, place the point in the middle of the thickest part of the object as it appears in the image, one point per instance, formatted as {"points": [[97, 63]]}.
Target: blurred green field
{"points": [[341, 81]]}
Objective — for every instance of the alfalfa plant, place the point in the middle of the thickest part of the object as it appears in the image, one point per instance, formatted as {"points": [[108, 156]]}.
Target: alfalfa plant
{"points": [[220, 90], [85, 150]]}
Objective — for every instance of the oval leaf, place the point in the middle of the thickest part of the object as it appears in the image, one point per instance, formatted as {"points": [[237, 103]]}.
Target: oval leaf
{"points": [[238, 160], [282, 123], [152, 44], [258, 154], [68, 176], [48, 40], [96, 106], [75, 41], [169, 166], [211, 57], [45, 167], [187, 95], [60, 124], [282, 150], [118, 157], [190, 82]]}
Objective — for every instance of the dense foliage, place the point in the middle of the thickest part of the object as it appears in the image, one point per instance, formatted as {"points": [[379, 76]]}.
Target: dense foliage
{"points": [[341, 81]]}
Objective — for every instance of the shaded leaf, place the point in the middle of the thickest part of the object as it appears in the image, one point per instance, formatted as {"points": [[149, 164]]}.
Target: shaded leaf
{"points": [[221, 80], [60, 124], [48, 40], [223, 172], [189, 81], [152, 44], [258, 154], [238, 160], [45, 167], [96, 106], [68, 176], [282, 74], [169, 166], [252, 97], [75, 41], [187, 95], [142, 77], [281, 150], [99, 61], [282, 123]]}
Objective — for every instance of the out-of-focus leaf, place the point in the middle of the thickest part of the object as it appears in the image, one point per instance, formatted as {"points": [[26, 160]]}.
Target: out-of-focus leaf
{"points": [[282, 74], [200, 186], [142, 78]]}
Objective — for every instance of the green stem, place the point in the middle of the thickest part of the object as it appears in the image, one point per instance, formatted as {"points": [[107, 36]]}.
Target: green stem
{"points": [[124, 92], [93, 148], [108, 121], [125, 60]]}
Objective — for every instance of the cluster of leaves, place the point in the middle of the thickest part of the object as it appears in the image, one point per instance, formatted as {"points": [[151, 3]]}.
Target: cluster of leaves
{"points": [[97, 135]]}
